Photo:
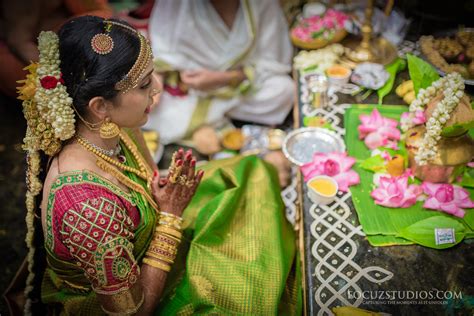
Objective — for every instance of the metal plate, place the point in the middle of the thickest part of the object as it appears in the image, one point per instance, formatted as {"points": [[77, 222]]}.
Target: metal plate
{"points": [[300, 145]]}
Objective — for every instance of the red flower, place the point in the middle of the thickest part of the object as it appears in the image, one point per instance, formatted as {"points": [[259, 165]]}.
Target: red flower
{"points": [[49, 82]]}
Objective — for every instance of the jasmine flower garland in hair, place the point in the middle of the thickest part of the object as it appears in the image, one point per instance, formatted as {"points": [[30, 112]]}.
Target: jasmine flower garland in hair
{"points": [[50, 119], [53, 101]]}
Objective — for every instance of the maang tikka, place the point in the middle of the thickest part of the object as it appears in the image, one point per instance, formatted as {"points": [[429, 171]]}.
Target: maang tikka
{"points": [[102, 43]]}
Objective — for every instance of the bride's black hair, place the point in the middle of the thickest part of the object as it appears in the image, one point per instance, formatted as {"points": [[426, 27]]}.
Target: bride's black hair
{"points": [[87, 74]]}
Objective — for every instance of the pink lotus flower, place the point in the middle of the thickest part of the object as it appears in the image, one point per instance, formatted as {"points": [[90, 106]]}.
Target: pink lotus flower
{"points": [[418, 119], [395, 192], [377, 130], [336, 165], [447, 198]]}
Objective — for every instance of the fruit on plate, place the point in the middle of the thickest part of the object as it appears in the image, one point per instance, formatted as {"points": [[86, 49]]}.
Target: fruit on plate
{"points": [[406, 91]]}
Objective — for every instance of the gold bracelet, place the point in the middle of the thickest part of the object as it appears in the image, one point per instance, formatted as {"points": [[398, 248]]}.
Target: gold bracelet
{"points": [[155, 245], [166, 214], [161, 257], [160, 247], [170, 237], [171, 218], [156, 264], [234, 80], [169, 230], [170, 223], [172, 241], [176, 239]]}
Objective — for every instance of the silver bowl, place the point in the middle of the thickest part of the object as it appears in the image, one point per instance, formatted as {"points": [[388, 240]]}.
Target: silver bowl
{"points": [[300, 145]]}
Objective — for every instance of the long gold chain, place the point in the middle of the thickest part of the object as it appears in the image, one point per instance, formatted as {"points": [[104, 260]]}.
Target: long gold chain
{"points": [[141, 171], [107, 167], [112, 167]]}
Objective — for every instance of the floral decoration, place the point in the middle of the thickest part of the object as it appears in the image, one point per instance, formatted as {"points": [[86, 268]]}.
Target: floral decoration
{"points": [[324, 27], [336, 165], [395, 192], [378, 131], [448, 198]]}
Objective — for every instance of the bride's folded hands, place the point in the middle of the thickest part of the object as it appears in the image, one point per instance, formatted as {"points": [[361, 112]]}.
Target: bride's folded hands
{"points": [[174, 192]]}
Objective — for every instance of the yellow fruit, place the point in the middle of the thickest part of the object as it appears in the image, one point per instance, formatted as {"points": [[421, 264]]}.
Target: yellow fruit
{"points": [[404, 88], [396, 166], [409, 97]]}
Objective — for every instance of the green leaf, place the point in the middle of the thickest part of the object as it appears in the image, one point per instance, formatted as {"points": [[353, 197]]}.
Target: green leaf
{"points": [[375, 164], [395, 67], [310, 68], [457, 129], [317, 34], [423, 232], [421, 73], [468, 178]]}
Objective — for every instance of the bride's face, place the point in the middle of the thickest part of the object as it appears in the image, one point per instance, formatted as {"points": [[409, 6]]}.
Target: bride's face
{"points": [[131, 109]]}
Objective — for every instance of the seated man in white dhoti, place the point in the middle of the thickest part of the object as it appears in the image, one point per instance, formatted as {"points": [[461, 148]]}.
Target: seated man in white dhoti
{"points": [[230, 58]]}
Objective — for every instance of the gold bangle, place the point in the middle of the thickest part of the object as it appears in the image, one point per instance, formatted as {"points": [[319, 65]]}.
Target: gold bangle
{"points": [[161, 257], [169, 230], [157, 264], [162, 247], [172, 241], [172, 224], [178, 240], [166, 214], [234, 80]]}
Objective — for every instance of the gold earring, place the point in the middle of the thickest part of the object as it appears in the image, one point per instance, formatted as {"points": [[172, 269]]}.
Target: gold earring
{"points": [[109, 129]]}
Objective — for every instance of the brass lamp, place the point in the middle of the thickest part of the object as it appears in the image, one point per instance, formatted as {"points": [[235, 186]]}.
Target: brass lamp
{"points": [[372, 49]]}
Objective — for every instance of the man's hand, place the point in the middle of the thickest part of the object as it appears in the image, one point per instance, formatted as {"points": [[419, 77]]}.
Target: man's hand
{"points": [[208, 80]]}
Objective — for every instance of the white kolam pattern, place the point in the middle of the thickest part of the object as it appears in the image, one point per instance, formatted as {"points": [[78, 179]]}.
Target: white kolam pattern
{"points": [[334, 245]]}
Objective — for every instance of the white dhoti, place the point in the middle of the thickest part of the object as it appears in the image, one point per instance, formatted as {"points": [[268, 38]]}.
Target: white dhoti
{"points": [[190, 35], [269, 105]]}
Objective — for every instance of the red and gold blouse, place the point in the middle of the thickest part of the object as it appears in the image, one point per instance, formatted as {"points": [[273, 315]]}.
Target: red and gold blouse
{"points": [[91, 222]]}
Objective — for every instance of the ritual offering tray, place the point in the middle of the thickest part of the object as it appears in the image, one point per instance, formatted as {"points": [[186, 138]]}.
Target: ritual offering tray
{"points": [[318, 31]]}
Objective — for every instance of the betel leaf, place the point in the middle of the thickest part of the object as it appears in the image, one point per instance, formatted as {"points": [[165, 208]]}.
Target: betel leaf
{"points": [[375, 164], [457, 129], [421, 73], [395, 67], [423, 232]]}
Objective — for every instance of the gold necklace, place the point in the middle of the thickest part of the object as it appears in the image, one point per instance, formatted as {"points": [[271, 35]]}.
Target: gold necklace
{"points": [[126, 181], [141, 171]]}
